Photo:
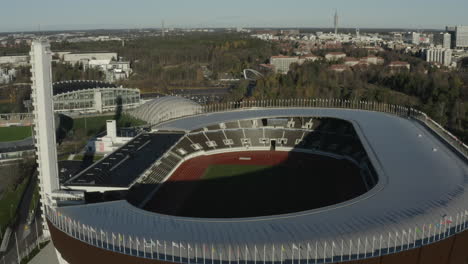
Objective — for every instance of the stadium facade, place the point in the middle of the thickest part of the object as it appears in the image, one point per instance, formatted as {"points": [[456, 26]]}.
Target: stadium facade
{"points": [[414, 209], [93, 97]]}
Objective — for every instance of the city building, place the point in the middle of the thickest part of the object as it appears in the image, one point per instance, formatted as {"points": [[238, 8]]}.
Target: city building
{"points": [[339, 67], [459, 36], [282, 63], [85, 57], [351, 61], [114, 70], [333, 56], [443, 40], [93, 97], [110, 142], [15, 61], [396, 65], [440, 56], [415, 38], [7, 75], [308, 57], [373, 60], [335, 22]]}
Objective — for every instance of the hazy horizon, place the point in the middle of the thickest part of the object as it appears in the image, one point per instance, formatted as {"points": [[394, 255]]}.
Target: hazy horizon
{"points": [[56, 15]]}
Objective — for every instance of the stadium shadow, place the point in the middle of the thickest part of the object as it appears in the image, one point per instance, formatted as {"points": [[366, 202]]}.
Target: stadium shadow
{"points": [[250, 183]]}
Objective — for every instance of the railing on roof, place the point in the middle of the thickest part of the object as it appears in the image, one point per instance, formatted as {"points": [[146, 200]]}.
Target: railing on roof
{"points": [[346, 248], [397, 110], [354, 247]]}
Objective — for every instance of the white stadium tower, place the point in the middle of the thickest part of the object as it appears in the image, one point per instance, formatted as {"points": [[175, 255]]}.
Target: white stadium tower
{"points": [[44, 125], [45, 138]]}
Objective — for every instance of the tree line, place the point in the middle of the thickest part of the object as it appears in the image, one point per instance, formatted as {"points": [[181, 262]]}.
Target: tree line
{"points": [[441, 93]]}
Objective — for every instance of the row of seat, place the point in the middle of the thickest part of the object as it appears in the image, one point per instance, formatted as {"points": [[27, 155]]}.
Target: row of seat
{"points": [[340, 140]]}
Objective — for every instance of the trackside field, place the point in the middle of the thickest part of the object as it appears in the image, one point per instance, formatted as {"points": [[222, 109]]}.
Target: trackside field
{"points": [[256, 183]]}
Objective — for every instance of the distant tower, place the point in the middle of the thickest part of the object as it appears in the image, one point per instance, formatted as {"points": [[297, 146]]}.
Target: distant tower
{"points": [[358, 34], [336, 21], [44, 123], [163, 30]]}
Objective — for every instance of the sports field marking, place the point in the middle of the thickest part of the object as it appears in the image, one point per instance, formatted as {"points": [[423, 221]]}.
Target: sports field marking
{"points": [[228, 170]]}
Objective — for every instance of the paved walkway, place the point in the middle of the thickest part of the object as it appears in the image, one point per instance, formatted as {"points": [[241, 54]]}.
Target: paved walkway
{"points": [[46, 255]]}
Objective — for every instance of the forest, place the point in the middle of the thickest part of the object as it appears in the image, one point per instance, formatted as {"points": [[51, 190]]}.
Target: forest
{"points": [[180, 61], [441, 93], [194, 60]]}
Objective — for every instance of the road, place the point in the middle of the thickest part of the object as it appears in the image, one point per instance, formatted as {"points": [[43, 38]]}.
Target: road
{"points": [[14, 84], [26, 234]]}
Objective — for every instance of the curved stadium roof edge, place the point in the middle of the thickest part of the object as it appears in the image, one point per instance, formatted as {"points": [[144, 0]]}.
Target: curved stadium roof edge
{"points": [[78, 85], [426, 182]]}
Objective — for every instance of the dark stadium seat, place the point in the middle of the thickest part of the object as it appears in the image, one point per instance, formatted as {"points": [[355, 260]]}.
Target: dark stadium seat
{"points": [[235, 136]]}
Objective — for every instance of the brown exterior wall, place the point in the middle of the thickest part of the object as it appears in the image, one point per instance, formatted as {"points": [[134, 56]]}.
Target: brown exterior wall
{"points": [[453, 250]]}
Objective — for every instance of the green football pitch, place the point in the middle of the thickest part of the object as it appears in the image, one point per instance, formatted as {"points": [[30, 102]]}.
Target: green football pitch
{"points": [[14, 133], [303, 182]]}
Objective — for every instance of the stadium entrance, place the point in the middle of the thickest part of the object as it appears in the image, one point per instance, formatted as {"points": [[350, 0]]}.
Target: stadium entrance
{"points": [[273, 145]]}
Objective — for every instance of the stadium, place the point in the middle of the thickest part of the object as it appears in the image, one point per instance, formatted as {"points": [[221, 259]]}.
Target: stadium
{"points": [[293, 181], [92, 97]]}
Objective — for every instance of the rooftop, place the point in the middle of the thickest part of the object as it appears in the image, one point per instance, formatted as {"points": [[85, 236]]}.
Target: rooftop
{"points": [[416, 186], [71, 86], [122, 167]]}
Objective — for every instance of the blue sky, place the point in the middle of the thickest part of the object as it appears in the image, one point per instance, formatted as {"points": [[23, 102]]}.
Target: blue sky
{"points": [[24, 15]]}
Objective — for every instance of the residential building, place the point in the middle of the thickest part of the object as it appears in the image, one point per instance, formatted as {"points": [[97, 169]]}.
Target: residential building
{"points": [[351, 61], [16, 60], [7, 75], [439, 56], [308, 57], [282, 63], [333, 56], [338, 67], [374, 60], [399, 65]]}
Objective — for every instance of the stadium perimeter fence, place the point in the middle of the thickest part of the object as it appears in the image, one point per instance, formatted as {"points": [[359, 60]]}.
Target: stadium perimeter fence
{"points": [[294, 252], [322, 251]]}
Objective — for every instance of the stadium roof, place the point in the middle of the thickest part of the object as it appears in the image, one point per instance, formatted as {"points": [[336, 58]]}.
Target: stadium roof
{"points": [[420, 181], [71, 86], [123, 166], [163, 108]]}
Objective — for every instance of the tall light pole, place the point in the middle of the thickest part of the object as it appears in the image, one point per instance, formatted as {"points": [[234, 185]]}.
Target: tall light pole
{"points": [[17, 249]]}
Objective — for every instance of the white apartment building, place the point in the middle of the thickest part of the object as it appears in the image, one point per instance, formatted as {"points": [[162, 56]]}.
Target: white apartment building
{"points": [[333, 56], [439, 55], [282, 63], [15, 61]]}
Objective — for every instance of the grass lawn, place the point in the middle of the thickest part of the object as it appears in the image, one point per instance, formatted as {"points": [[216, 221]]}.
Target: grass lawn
{"points": [[14, 133], [220, 170], [34, 200], [82, 157], [9, 202], [95, 125]]}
